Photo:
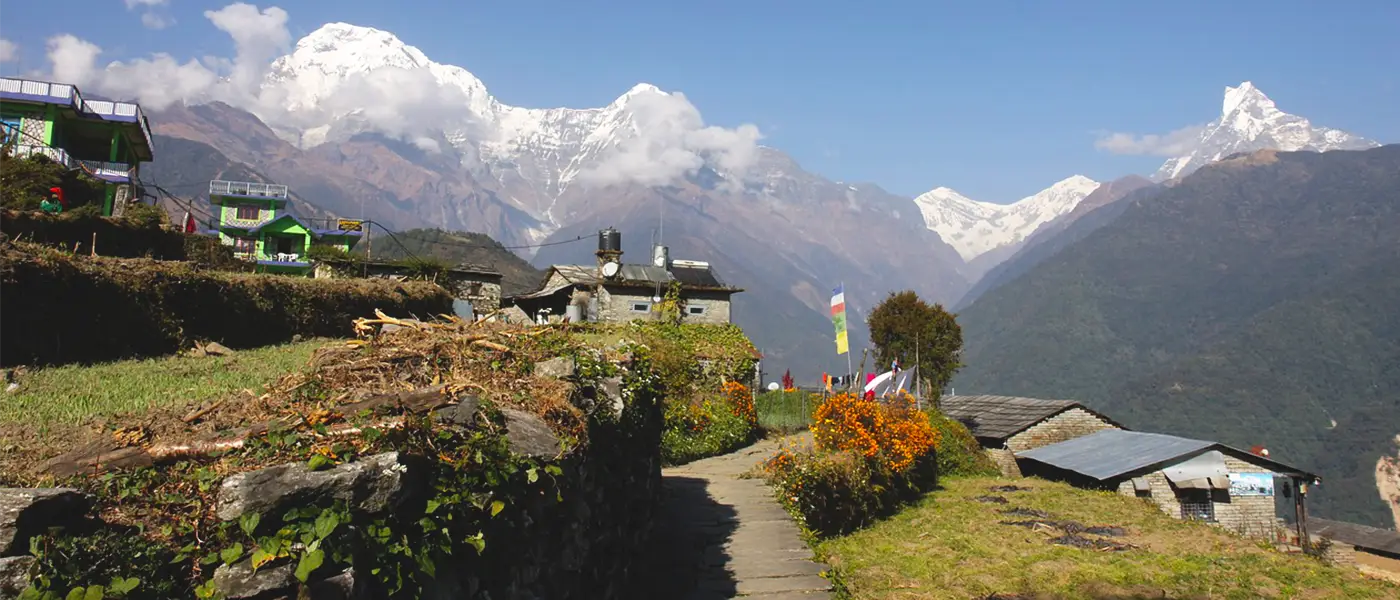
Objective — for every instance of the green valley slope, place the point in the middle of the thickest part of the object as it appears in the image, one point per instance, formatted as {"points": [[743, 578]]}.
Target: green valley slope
{"points": [[1255, 303]]}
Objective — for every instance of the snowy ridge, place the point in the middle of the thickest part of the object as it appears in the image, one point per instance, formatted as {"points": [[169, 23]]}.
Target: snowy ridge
{"points": [[974, 228], [1250, 121], [541, 149]]}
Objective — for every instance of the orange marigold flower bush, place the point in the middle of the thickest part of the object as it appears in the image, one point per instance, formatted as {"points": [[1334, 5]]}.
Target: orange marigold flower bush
{"points": [[893, 431], [709, 426], [871, 457]]}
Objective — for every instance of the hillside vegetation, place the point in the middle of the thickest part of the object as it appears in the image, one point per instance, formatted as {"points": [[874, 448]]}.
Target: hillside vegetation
{"points": [[1254, 303], [956, 544], [456, 247]]}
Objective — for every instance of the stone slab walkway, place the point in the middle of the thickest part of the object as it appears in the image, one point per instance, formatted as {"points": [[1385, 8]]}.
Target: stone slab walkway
{"points": [[719, 536]]}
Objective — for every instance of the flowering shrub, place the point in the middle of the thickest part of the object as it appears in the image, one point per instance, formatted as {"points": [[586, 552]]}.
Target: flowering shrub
{"points": [[741, 402], [893, 432], [709, 426], [870, 458]]}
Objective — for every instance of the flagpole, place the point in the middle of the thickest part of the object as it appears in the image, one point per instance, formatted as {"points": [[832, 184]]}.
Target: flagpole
{"points": [[849, 375], [918, 400]]}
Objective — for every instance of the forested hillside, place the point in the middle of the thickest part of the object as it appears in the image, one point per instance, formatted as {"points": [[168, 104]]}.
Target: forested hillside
{"points": [[1254, 303], [456, 247]]}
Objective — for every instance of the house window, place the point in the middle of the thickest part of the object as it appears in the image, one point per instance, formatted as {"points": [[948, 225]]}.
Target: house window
{"points": [[1196, 505], [244, 244], [247, 212], [641, 307], [695, 309]]}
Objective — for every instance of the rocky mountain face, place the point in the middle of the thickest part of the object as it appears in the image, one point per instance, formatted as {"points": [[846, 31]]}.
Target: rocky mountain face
{"points": [[1250, 121]]}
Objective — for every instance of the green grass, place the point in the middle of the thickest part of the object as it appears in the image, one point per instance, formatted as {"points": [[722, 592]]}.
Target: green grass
{"points": [[70, 395], [951, 546], [784, 412]]}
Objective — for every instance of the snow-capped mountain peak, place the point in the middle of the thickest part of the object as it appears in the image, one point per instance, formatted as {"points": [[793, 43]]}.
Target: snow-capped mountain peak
{"points": [[973, 227], [1249, 121]]}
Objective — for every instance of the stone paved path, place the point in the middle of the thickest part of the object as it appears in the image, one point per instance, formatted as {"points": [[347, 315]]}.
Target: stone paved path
{"points": [[720, 536]]}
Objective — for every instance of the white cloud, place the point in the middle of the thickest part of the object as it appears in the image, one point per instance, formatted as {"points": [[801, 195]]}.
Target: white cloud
{"points": [[149, 18], [8, 51], [258, 37], [670, 141], [1175, 143], [154, 21], [74, 60]]}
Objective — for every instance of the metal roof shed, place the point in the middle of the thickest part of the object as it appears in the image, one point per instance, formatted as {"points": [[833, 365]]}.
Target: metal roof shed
{"points": [[1114, 454]]}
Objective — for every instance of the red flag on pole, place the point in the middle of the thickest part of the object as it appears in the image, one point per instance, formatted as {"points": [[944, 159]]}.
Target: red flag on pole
{"points": [[189, 223]]}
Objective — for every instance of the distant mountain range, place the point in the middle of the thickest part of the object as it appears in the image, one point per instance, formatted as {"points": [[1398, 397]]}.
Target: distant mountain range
{"points": [[361, 124], [1252, 302]]}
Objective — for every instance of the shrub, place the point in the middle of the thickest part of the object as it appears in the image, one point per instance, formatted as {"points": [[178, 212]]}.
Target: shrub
{"points": [[146, 216], [710, 426], [893, 432], [61, 308], [959, 454], [871, 457]]}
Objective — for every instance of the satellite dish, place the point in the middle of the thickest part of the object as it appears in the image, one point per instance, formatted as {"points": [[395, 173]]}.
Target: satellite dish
{"points": [[610, 269]]}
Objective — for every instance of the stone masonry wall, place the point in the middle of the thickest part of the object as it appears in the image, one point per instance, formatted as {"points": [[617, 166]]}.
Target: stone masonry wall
{"points": [[716, 305], [1070, 424], [1005, 460], [1254, 516], [581, 543]]}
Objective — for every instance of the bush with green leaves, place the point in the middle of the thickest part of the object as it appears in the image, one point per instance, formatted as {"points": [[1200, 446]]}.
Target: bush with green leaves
{"points": [[959, 454]]}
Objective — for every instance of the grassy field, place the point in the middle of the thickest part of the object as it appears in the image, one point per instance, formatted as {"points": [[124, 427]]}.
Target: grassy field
{"points": [[783, 412], [70, 395], [953, 546]]}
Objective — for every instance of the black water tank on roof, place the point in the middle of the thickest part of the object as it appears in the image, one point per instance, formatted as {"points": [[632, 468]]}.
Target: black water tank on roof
{"points": [[610, 240]]}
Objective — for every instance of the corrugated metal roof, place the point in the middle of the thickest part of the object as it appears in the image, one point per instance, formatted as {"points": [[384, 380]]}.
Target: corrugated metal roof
{"points": [[1361, 536], [1000, 417], [1113, 452]]}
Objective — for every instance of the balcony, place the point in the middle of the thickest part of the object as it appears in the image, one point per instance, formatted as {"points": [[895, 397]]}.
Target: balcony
{"points": [[54, 154], [246, 188], [67, 95]]}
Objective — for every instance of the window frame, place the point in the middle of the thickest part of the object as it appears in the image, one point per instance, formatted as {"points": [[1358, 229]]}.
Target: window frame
{"points": [[238, 212], [696, 310], [239, 242], [640, 306]]}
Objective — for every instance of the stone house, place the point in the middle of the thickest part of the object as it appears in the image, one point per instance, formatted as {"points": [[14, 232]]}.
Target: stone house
{"points": [[475, 289], [1007, 425], [615, 292], [1370, 549], [1186, 478]]}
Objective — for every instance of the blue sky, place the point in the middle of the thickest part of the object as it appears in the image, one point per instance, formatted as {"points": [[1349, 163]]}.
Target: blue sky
{"points": [[994, 99]]}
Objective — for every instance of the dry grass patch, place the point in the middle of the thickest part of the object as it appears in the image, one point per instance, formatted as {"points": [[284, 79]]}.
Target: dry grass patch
{"points": [[952, 546]]}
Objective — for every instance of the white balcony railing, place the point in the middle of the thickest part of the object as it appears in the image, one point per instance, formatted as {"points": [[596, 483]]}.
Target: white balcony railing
{"points": [[54, 154], [246, 188], [64, 93], [108, 169]]}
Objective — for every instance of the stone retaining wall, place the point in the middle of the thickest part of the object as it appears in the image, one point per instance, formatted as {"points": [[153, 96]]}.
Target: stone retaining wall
{"points": [[578, 540]]}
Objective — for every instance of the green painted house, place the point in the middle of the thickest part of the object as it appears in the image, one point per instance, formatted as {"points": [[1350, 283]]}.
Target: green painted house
{"points": [[108, 140], [254, 219]]}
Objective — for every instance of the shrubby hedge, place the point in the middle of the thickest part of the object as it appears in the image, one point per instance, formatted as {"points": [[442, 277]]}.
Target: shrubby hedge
{"points": [[871, 457], [61, 308]]}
